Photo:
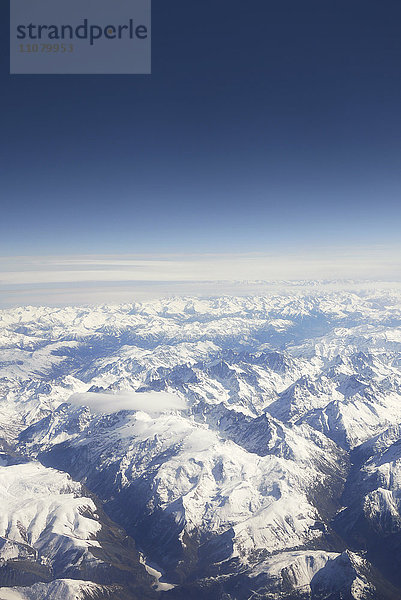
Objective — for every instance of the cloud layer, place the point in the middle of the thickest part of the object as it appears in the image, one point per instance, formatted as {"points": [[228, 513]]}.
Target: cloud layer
{"points": [[149, 402], [105, 279]]}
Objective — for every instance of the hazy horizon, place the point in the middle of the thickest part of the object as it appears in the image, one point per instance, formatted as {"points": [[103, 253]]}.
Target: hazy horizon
{"points": [[59, 280]]}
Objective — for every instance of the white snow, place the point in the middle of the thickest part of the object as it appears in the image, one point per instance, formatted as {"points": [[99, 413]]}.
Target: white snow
{"points": [[59, 589], [44, 509], [236, 409]]}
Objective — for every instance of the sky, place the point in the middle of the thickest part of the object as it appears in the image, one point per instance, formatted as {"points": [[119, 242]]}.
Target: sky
{"points": [[265, 127]]}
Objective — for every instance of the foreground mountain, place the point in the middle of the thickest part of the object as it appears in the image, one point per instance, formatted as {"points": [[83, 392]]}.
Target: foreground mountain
{"points": [[223, 448]]}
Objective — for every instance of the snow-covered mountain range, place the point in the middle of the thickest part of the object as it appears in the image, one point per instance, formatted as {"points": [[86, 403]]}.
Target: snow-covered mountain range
{"points": [[217, 449]]}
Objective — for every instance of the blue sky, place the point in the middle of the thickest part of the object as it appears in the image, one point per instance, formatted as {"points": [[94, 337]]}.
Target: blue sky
{"points": [[265, 127]]}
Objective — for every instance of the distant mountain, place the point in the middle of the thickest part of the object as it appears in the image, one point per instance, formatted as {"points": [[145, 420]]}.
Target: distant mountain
{"points": [[279, 478]]}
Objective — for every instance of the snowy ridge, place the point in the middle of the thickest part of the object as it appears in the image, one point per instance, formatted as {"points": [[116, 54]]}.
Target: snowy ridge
{"points": [[43, 509], [67, 589], [279, 402]]}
